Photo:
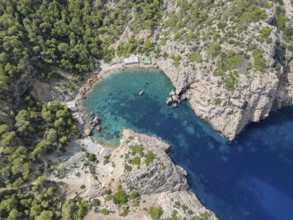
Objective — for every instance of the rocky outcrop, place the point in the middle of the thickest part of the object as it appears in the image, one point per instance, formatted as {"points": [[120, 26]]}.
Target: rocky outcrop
{"points": [[54, 89], [251, 101], [159, 182], [183, 202], [255, 93], [160, 175]]}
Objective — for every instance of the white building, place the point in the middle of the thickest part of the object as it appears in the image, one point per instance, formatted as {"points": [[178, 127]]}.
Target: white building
{"points": [[131, 60], [90, 144], [71, 105]]}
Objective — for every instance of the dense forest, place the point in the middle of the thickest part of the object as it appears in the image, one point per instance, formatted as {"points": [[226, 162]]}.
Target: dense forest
{"points": [[36, 38], [73, 35]]}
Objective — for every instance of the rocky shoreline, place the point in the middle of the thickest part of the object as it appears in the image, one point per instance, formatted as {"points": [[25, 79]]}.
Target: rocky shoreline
{"points": [[171, 184], [156, 180], [107, 69]]}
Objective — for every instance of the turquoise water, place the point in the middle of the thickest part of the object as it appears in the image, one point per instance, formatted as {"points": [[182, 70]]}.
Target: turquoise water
{"points": [[249, 178]]}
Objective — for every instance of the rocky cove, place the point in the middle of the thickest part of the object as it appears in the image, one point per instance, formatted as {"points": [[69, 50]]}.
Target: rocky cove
{"points": [[211, 162], [161, 183], [230, 178], [182, 86], [160, 140]]}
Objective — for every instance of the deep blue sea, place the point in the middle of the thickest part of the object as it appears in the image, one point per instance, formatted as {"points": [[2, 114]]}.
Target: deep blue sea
{"points": [[249, 178]]}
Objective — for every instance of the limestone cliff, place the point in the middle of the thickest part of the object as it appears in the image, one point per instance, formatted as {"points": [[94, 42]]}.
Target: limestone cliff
{"points": [[159, 182], [231, 96], [159, 175]]}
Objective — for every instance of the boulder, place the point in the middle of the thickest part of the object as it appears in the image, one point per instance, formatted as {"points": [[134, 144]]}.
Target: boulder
{"points": [[175, 97], [88, 132], [172, 93], [183, 96], [96, 120], [169, 101]]}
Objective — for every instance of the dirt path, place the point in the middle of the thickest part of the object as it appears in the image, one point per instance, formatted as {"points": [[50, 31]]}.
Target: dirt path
{"points": [[126, 31]]}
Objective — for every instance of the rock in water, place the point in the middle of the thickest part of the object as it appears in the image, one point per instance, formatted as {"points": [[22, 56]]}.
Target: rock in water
{"points": [[175, 98], [169, 101], [183, 97], [87, 132], [98, 128], [174, 105], [96, 120], [190, 130]]}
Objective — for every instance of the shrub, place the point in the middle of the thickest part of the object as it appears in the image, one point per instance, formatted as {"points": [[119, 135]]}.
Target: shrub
{"points": [[135, 161], [127, 168], [218, 101], [96, 202], [105, 211], [265, 31], [155, 212], [214, 49], [259, 63], [136, 203], [230, 81], [194, 57], [176, 60], [136, 149], [120, 197], [108, 197], [288, 31], [134, 195], [107, 159], [149, 158], [125, 211]]}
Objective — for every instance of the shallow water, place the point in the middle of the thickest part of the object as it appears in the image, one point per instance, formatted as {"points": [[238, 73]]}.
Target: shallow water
{"points": [[249, 178]]}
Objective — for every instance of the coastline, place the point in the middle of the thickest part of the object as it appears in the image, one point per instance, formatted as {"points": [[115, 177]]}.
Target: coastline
{"points": [[104, 71]]}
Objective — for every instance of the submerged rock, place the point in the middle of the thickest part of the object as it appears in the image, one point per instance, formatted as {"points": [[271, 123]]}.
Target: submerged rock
{"points": [[174, 105]]}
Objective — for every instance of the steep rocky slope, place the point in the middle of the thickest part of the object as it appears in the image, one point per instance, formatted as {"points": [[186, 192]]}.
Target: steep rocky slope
{"points": [[159, 182], [138, 173], [234, 66]]}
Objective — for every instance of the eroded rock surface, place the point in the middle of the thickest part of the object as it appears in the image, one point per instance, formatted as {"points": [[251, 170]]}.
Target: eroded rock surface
{"points": [[159, 182]]}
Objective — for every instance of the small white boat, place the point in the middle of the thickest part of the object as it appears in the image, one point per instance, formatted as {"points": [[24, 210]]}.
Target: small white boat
{"points": [[141, 92]]}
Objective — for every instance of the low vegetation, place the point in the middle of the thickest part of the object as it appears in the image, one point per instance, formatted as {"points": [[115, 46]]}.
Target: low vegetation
{"points": [[120, 197], [155, 212], [46, 38]]}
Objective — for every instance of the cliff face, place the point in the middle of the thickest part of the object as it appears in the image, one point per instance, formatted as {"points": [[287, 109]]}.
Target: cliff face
{"points": [[159, 182], [231, 96], [251, 101], [159, 175]]}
